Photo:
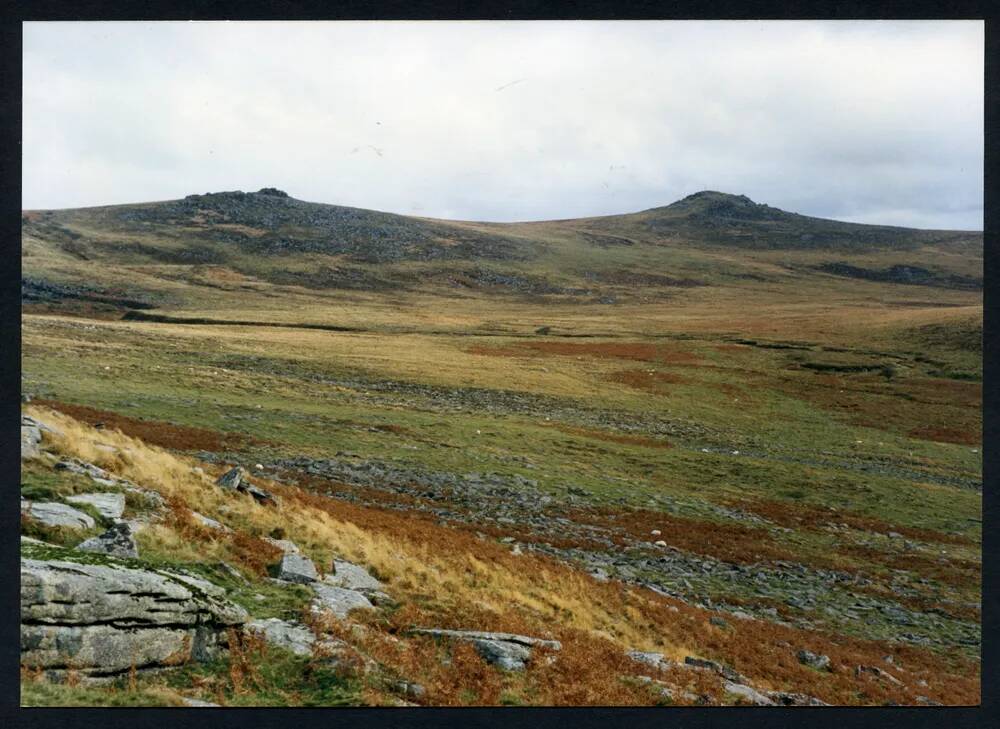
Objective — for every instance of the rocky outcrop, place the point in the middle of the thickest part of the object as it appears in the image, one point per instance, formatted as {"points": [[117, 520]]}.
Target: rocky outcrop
{"points": [[118, 541], [338, 600], [109, 505], [236, 479], [31, 436], [54, 514], [296, 638], [295, 567], [508, 651], [105, 619], [352, 577]]}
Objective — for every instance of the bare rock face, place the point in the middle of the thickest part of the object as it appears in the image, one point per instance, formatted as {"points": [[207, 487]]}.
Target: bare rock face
{"points": [[508, 651], [237, 479], [352, 577], [338, 600], [31, 436], [110, 505], [296, 567], [118, 541], [104, 619], [54, 514], [296, 637]]}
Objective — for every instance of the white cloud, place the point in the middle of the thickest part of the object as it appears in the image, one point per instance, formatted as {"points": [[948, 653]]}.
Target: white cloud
{"points": [[873, 121]]}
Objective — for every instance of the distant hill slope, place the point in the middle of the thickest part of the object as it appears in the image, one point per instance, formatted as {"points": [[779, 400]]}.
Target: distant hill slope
{"points": [[718, 218], [143, 255]]}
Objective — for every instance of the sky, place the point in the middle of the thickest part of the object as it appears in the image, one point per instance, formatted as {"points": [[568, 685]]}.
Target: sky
{"points": [[870, 121]]}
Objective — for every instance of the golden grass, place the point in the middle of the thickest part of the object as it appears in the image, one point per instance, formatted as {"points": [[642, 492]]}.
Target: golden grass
{"points": [[448, 578]]}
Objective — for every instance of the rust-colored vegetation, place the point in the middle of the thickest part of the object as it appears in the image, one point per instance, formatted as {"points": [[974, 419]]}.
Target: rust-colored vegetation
{"points": [[165, 435]]}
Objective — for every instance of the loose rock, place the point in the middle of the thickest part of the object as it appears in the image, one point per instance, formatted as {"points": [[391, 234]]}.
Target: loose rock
{"points": [[118, 541]]}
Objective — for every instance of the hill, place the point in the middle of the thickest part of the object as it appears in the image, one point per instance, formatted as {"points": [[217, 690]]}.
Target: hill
{"points": [[710, 453], [267, 237]]}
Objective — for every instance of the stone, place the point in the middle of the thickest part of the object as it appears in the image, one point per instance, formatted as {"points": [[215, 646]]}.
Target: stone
{"points": [[110, 505], [198, 703], [296, 567], [118, 541], [411, 689], [785, 698], [285, 545], [508, 651], [294, 637], [660, 543], [656, 660], [338, 600], [352, 577], [54, 514], [718, 622], [503, 654], [210, 523], [106, 619], [808, 658], [232, 479], [746, 693], [31, 439], [237, 479], [713, 666], [262, 497]]}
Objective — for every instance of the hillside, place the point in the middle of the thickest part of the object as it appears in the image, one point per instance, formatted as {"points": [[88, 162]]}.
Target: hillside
{"points": [[712, 453], [142, 252]]}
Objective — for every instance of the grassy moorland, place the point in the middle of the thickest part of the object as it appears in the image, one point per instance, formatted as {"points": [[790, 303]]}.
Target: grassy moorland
{"points": [[792, 404]]}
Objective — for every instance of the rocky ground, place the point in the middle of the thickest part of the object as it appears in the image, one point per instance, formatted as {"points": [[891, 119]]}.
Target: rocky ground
{"points": [[94, 609]]}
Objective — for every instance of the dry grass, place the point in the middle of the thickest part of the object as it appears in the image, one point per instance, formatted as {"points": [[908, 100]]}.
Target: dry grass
{"points": [[449, 578]]}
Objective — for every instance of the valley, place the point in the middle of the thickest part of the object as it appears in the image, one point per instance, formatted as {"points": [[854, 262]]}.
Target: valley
{"points": [[712, 431]]}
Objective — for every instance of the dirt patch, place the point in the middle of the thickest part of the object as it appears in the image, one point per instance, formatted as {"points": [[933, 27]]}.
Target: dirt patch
{"points": [[165, 435]]}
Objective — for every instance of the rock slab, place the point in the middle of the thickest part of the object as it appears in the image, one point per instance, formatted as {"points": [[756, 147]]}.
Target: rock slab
{"points": [[110, 505], [104, 619], [54, 514], [118, 541]]}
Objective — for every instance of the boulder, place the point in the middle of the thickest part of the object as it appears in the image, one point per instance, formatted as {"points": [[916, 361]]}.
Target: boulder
{"points": [[808, 658], [715, 667], [118, 541], [237, 479], [232, 479], [747, 694], [294, 637], [786, 698], [508, 651], [505, 655], [338, 601], [54, 514], [296, 567], [106, 619], [210, 523], [285, 545], [110, 505], [656, 660], [96, 473], [31, 438], [352, 577]]}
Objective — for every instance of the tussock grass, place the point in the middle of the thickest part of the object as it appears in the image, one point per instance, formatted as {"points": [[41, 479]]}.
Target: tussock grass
{"points": [[449, 578]]}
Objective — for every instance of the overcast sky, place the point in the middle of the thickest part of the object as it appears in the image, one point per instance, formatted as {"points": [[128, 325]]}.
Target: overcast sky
{"points": [[865, 121]]}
